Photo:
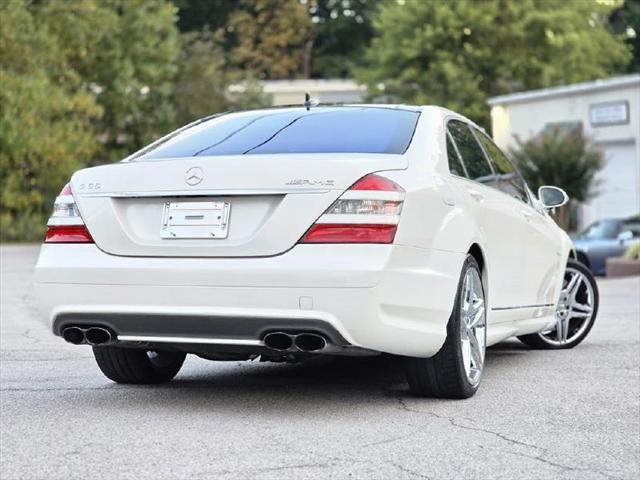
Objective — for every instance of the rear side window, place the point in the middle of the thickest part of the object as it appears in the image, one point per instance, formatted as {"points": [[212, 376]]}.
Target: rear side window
{"points": [[472, 155], [508, 179], [293, 130], [455, 164]]}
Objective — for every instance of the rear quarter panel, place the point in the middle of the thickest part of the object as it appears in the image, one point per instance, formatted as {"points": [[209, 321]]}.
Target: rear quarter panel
{"points": [[434, 215]]}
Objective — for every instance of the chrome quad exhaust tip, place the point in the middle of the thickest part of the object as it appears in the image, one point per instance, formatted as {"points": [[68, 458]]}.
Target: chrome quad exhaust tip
{"points": [[97, 335], [279, 341], [310, 342], [291, 342], [74, 335], [91, 335]]}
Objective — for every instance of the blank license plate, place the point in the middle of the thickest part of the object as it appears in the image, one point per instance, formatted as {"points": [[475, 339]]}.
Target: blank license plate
{"points": [[195, 220]]}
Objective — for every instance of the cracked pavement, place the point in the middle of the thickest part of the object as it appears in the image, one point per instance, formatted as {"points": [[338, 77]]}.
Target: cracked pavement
{"points": [[559, 415]]}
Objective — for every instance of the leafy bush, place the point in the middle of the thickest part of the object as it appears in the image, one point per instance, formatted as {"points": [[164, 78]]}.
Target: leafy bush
{"points": [[633, 252], [564, 159]]}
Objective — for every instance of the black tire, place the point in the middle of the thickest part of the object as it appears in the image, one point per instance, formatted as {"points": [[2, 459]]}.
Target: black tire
{"points": [[582, 258], [130, 365], [535, 340], [443, 375]]}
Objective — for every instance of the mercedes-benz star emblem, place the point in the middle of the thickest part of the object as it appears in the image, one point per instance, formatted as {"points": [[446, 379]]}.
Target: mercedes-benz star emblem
{"points": [[194, 176]]}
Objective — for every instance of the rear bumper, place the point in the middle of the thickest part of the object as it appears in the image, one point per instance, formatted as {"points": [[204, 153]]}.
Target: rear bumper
{"points": [[388, 298]]}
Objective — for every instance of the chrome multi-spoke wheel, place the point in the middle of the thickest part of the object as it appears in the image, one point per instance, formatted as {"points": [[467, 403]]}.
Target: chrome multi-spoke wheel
{"points": [[574, 310], [456, 370], [472, 326], [575, 313]]}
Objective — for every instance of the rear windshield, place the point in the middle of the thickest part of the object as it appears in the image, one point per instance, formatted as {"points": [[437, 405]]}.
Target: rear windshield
{"points": [[319, 130]]}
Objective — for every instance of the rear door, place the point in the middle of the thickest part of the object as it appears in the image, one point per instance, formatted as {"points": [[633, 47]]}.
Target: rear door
{"points": [[540, 243], [501, 223], [247, 184]]}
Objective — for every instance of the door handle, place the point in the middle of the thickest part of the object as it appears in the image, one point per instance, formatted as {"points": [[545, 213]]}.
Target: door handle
{"points": [[476, 195]]}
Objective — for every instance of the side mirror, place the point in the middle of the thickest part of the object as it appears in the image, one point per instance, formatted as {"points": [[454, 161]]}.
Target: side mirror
{"points": [[552, 197], [625, 236]]}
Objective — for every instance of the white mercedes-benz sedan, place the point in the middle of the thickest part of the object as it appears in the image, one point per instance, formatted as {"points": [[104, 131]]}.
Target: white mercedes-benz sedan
{"points": [[288, 233]]}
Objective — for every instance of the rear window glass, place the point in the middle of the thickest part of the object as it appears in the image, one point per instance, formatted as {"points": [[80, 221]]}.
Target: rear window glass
{"points": [[319, 130]]}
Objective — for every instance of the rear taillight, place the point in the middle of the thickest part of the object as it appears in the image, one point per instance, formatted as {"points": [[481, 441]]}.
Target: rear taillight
{"points": [[368, 212], [65, 224]]}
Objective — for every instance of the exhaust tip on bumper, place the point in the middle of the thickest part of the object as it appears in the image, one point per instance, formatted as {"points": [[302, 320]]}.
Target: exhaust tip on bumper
{"points": [[97, 335], [292, 342], [310, 342], [74, 335], [278, 341], [91, 335]]}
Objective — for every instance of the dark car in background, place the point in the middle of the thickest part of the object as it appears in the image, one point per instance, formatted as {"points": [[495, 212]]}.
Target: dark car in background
{"points": [[606, 238]]}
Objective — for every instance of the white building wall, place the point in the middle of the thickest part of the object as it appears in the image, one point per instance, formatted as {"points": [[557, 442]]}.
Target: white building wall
{"points": [[525, 115], [291, 92]]}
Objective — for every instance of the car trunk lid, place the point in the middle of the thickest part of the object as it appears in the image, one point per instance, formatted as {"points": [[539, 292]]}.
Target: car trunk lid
{"points": [[224, 206]]}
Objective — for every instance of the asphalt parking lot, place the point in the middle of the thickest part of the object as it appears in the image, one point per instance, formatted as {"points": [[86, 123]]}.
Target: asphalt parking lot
{"points": [[561, 415]]}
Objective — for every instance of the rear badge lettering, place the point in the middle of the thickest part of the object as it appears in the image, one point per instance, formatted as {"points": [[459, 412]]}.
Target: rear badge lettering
{"points": [[90, 186], [304, 181]]}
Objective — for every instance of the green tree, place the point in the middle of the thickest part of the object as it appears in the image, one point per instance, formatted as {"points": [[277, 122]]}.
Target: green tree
{"points": [[81, 82], [343, 29], [45, 129], [625, 21], [204, 77], [198, 15], [271, 37], [565, 159], [332, 45], [124, 53], [459, 53]]}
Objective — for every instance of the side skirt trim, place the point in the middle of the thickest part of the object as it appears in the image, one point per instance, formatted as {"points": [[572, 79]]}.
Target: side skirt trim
{"points": [[544, 305]]}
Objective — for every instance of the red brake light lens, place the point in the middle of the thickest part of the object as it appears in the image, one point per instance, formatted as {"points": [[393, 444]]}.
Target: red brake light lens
{"points": [[377, 183], [66, 190], [65, 224], [68, 234], [368, 212], [346, 233]]}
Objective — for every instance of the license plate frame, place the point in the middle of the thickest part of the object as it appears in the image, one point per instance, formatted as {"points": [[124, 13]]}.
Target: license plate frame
{"points": [[195, 220]]}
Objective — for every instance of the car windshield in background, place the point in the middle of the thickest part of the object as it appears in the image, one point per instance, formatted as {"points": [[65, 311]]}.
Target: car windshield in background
{"points": [[295, 130], [602, 230]]}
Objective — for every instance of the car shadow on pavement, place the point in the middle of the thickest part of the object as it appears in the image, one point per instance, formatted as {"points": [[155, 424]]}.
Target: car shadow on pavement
{"points": [[350, 382]]}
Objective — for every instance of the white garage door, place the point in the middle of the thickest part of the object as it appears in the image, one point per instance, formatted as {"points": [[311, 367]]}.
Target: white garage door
{"points": [[619, 189]]}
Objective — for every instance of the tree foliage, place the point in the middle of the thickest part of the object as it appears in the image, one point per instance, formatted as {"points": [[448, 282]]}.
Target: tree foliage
{"points": [[459, 53], [81, 82], [204, 77], [44, 125], [271, 37], [625, 21], [343, 30], [124, 52], [328, 47], [565, 159], [199, 15]]}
